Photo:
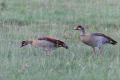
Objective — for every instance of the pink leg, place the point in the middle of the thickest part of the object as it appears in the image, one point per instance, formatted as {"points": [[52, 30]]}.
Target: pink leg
{"points": [[101, 50], [48, 52], [94, 51]]}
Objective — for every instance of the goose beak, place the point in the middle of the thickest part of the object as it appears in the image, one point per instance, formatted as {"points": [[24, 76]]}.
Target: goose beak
{"points": [[66, 47]]}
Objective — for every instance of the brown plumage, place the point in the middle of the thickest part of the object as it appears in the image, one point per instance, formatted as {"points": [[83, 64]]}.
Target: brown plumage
{"points": [[48, 44], [94, 39], [58, 43]]}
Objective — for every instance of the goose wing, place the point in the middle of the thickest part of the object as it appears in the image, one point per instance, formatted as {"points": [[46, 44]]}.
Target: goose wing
{"points": [[111, 41], [55, 41]]}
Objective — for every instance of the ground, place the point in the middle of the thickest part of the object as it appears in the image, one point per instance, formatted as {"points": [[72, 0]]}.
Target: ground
{"points": [[30, 19]]}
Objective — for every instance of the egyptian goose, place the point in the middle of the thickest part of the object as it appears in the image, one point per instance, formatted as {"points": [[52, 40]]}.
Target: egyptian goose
{"points": [[95, 40], [47, 43]]}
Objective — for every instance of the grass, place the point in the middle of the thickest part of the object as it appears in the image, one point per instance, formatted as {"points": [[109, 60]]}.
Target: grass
{"points": [[30, 19]]}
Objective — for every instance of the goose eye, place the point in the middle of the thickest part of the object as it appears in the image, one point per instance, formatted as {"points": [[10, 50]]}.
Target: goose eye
{"points": [[24, 43]]}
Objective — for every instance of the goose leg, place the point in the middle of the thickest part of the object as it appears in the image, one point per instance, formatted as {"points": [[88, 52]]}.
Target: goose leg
{"points": [[94, 51], [101, 50], [48, 52]]}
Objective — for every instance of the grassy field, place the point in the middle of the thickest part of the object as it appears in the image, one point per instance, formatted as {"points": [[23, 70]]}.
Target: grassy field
{"points": [[30, 19]]}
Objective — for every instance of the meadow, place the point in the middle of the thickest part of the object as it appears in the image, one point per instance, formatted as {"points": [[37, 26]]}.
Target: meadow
{"points": [[30, 19]]}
